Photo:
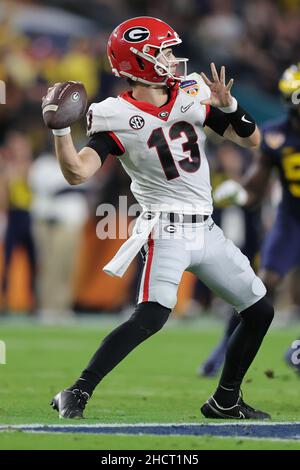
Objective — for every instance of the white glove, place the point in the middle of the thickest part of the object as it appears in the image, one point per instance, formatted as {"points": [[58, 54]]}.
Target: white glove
{"points": [[230, 192]]}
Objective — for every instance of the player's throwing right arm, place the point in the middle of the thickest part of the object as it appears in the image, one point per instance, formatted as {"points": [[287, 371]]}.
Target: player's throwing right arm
{"points": [[76, 167]]}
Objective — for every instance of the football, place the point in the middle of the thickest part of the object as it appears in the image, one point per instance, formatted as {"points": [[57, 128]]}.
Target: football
{"points": [[64, 104]]}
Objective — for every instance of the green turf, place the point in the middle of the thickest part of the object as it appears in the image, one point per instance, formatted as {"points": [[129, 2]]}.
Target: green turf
{"points": [[156, 383], [20, 440]]}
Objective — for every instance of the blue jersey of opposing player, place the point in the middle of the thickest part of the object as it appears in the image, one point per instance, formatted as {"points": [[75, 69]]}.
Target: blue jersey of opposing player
{"points": [[281, 145], [281, 149]]}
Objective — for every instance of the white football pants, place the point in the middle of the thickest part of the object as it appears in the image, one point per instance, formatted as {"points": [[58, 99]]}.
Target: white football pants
{"points": [[202, 249]]}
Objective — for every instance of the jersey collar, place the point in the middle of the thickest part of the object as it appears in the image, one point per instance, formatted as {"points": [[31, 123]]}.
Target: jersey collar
{"points": [[161, 112]]}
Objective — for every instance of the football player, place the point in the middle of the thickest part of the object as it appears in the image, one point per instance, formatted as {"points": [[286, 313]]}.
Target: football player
{"points": [[280, 149], [156, 132]]}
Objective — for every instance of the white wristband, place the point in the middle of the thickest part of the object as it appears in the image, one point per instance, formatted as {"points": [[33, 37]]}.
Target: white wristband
{"points": [[61, 132], [232, 108]]}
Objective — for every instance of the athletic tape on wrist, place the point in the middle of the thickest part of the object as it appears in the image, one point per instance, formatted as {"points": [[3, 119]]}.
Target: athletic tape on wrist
{"points": [[61, 132]]}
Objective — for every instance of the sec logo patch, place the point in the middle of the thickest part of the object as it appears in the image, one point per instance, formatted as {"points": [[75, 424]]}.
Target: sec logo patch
{"points": [[136, 122]]}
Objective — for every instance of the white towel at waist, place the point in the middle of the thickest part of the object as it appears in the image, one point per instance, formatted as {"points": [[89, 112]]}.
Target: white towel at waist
{"points": [[125, 255]]}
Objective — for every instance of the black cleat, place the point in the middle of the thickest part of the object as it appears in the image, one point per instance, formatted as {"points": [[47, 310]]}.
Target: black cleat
{"points": [[70, 403], [241, 410]]}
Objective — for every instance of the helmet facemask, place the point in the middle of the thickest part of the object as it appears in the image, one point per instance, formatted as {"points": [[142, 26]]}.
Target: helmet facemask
{"points": [[162, 69]]}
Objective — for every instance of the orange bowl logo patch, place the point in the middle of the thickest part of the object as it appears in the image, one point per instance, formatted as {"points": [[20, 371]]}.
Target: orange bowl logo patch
{"points": [[190, 87]]}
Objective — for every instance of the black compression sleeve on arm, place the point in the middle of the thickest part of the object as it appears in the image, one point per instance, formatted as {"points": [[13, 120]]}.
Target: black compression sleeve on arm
{"points": [[104, 144], [216, 120], [242, 123]]}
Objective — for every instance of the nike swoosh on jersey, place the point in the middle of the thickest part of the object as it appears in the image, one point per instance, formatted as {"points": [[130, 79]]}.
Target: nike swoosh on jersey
{"points": [[246, 120], [185, 108]]}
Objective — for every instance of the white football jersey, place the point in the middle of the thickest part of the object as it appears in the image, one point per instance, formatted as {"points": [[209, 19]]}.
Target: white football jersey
{"points": [[163, 146]]}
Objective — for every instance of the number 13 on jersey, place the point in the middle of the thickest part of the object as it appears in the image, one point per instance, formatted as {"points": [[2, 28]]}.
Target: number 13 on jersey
{"points": [[190, 163]]}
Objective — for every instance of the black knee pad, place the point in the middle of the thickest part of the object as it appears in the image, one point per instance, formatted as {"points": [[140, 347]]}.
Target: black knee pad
{"points": [[260, 313], [150, 316]]}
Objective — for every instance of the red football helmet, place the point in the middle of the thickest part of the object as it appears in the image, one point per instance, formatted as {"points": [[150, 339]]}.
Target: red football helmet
{"points": [[136, 47]]}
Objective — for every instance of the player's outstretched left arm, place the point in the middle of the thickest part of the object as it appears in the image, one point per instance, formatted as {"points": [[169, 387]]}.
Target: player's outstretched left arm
{"points": [[241, 127]]}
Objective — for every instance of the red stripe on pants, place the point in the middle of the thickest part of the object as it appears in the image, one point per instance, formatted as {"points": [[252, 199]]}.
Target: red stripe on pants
{"points": [[148, 269]]}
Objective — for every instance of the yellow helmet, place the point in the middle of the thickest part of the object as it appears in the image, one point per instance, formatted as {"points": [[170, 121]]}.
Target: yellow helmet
{"points": [[290, 81]]}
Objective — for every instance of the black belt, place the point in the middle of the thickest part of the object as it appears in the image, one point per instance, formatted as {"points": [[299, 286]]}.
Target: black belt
{"points": [[187, 218]]}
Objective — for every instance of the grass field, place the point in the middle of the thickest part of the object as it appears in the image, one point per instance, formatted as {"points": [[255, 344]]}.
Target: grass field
{"points": [[157, 383]]}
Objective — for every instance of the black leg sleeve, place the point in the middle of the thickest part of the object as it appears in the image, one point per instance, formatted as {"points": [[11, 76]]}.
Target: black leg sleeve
{"points": [[148, 318], [245, 342]]}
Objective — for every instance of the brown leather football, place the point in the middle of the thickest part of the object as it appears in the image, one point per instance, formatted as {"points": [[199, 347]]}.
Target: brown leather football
{"points": [[64, 104]]}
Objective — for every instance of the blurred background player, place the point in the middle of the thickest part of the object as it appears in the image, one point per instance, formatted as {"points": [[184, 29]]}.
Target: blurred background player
{"points": [[280, 149], [16, 200], [59, 214]]}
